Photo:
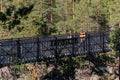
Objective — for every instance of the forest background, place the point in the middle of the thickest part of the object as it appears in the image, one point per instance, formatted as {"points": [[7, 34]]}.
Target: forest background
{"points": [[26, 18]]}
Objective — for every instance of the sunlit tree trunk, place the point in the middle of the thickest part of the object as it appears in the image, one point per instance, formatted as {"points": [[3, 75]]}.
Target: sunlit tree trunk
{"points": [[73, 9], [65, 15], [51, 15], [65, 11], [1, 5], [41, 1], [40, 9], [34, 72], [18, 2]]}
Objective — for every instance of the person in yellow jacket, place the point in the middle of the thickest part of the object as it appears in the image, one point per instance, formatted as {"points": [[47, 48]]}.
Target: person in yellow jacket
{"points": [[82, 35]]}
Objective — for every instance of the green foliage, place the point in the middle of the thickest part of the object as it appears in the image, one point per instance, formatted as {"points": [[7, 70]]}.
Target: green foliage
{"points": [[51, 17], [102, 21], [114, 9], [12, 16], [115, 41], [68, 67], [16, 19], [46, 28]]}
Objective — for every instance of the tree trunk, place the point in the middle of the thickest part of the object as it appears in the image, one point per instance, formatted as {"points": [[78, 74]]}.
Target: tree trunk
{"points": [[65, 11], [40, 9], [1, 5], [73, 9], [51, 15], [41, 1]]}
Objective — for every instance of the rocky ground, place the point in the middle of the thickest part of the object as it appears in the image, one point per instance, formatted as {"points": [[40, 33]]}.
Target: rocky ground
{"points": [[43, 72]]}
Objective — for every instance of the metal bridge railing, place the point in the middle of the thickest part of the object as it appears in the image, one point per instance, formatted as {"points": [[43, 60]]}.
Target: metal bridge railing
{"points": [[25, 50]]}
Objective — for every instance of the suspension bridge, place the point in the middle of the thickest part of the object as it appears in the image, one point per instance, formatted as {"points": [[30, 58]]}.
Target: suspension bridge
{"points": [[36, 49]]}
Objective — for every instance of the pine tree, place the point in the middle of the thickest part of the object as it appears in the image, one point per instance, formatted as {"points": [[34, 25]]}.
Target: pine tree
{"points": [[12, 17], [48, 17]]}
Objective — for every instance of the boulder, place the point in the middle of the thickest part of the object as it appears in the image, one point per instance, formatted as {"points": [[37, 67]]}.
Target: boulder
{"points": [[110, 69], [95, 77], [4, 72]]}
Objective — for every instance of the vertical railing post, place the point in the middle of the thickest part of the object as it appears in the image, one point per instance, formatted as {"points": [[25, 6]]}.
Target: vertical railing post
{"points": [[89, 55], [88, 38], [18, 52], [56, 48], [56, 51], [38, 49], [1, 53], [103, 47], [101, 41], [73, 45]]}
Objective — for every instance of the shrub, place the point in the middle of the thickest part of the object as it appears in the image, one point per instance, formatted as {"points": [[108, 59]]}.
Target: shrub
{"points": [[115, 41]]}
